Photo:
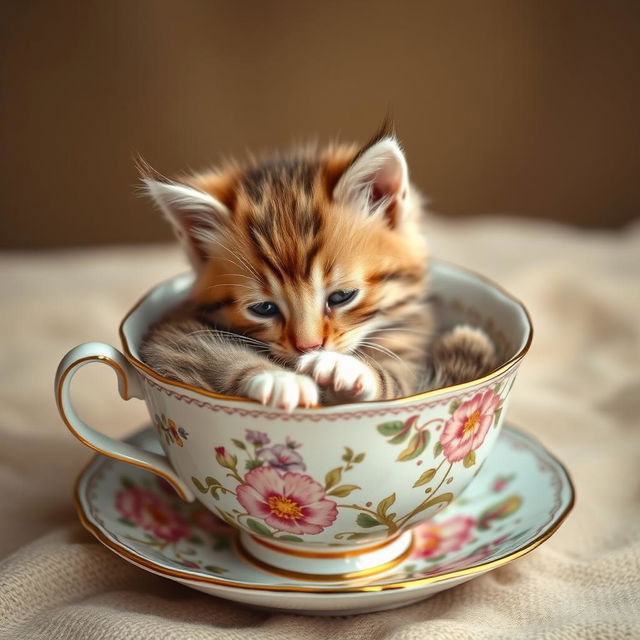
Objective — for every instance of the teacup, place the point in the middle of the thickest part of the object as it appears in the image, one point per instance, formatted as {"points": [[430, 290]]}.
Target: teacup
{"points": [[331, 491]]}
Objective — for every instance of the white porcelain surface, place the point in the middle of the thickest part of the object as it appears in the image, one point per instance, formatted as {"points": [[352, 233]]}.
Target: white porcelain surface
{"points": [[519, 497]]}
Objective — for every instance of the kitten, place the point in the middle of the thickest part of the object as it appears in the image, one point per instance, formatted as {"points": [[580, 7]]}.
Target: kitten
{"points": [[311, 282]]}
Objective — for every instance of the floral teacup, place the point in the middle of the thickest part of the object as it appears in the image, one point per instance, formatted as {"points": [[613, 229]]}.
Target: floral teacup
{"points": [[328, 491]]}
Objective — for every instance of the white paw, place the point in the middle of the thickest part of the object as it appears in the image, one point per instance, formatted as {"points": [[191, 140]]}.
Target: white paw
{"points": [[282, 389], [341, 373]]}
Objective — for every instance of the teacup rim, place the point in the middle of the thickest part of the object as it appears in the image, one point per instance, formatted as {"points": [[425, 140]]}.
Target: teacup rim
{"points": [[506, 366]]}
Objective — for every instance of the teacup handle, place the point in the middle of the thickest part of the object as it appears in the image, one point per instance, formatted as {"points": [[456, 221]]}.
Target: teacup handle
{"points": [[129, 387]]}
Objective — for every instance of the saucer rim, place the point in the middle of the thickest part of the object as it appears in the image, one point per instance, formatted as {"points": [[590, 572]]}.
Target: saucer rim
{"points": [[478, 569]]}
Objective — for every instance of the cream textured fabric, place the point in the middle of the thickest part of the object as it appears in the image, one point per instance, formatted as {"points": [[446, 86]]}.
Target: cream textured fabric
{"points": [[578, 392]]}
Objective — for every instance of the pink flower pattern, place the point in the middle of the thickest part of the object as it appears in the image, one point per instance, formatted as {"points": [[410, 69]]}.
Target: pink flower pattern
{"points": [[466, 429], [208, 521], [276, 491], [282, 457], [291, 502], [150, 512], [434, 540], [461, 563]]}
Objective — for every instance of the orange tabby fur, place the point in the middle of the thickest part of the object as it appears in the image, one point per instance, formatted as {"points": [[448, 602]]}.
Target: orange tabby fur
{"points": [[291, 230]]}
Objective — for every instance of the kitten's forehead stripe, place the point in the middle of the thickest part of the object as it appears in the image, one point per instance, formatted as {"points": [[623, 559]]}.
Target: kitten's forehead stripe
{"points": [[262, 256], [284, 214], [278, 177], [311, 256], [399, 274], [308, 222]]}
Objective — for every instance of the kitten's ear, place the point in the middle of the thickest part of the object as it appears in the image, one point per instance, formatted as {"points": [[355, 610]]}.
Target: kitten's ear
{"points": [[194, 215], [377, 181]]}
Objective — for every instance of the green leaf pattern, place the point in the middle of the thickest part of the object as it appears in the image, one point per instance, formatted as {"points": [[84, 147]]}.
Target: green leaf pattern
{"points": [[412, 436]]}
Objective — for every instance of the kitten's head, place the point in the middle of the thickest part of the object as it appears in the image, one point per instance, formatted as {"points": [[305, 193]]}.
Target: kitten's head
{"points": [[314, 249]]}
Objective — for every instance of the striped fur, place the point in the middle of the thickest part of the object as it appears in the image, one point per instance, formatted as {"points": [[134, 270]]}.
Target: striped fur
{"points": [[292, 230]]}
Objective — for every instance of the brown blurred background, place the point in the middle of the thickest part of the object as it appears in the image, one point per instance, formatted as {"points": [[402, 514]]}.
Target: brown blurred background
{"points": [[526, 108]]}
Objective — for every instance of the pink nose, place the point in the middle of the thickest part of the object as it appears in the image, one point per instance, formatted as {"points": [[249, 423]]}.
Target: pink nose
{"points": [[303, 347]]}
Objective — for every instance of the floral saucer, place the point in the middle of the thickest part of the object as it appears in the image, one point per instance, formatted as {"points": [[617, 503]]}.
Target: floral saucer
{"points": [[519, 498]]}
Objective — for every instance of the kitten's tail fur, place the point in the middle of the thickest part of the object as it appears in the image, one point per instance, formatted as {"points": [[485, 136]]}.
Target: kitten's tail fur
{"points": [[462, 354]]}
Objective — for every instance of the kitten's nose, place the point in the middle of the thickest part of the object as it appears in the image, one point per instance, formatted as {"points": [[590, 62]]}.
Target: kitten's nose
{"points": [[309, 345]]}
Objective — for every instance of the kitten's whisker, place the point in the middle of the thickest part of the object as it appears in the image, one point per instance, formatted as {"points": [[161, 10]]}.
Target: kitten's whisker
{"points": [[236, 255], [242, 260], [400, 330], [390, 353], [231, 284], [333, 261], [407, 348], [381, 349], [227, 335], [362, 356], [231, 261], [239, 275], [239, 335]]}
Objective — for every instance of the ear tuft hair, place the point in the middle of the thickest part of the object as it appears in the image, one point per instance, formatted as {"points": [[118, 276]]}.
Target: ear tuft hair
{"points": [[386, 130], [195, 215], [377, 181]]}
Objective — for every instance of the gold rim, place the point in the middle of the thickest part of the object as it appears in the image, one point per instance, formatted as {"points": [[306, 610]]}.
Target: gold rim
{"points": [[331, 577], [419, 582], [418, 396]]}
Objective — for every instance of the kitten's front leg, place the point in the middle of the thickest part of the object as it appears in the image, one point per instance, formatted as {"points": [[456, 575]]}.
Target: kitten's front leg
{"points": [[192, 352], [344, 376]]}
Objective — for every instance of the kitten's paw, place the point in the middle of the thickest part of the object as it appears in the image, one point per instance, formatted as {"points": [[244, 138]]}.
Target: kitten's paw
{"points": [[341, 373], [281, 389]]}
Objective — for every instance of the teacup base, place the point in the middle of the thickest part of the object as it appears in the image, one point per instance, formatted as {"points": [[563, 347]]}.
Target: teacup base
{"points": [[326, 563]]}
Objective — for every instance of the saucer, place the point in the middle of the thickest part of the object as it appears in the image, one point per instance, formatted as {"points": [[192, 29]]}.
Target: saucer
{"points": [[519, 498]]}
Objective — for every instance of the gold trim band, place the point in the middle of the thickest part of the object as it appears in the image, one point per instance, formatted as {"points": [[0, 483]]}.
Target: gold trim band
{"points": [[329, 577], [300, 553]]}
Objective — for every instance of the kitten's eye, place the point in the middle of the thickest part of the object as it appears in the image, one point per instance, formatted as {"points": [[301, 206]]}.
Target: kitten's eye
{"points": [[341, 297], [264, 309]]}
